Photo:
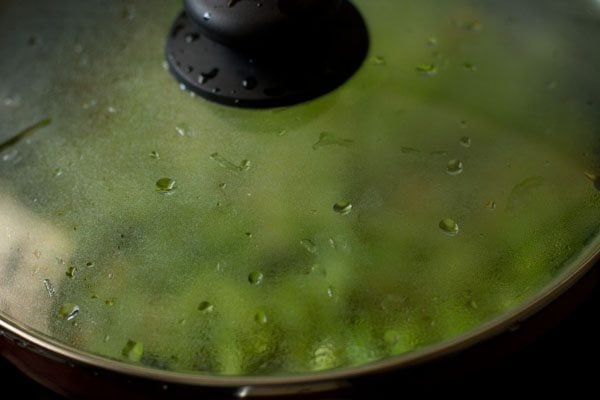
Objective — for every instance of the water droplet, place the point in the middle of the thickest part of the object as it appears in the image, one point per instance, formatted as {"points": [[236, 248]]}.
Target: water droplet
{"points": [[206, 307], [165, 186], [154, 155], [133, 351], [68, 311], [49, 287], [256, 277], [12, 101], [90, 104], [594, 178], [250, 83], [449, 226], [490, 205], [71, 271], [473, 26], [329, 139], [454, 167], [432, 42], [470, 67], [10, 155], [225, 163], [309, 245], [378, 60], [427, 69], [183, 130], [342, 207], [221, 266], [261, 317], [207, 76], [409, 150], [472, 304], [465, 141], [331, 292], [245, 165], [191, 37]]}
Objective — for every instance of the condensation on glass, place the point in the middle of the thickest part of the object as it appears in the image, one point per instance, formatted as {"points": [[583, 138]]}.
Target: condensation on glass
{"points": [[449, 181]]}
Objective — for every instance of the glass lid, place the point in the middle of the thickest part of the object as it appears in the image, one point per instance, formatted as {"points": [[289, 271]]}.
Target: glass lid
{"points": [[450, 181]]}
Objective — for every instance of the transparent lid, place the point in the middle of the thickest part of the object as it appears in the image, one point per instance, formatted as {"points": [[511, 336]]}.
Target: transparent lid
{"points": [[452, 179]]}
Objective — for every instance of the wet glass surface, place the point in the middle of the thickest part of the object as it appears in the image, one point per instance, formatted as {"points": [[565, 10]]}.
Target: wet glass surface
{"points": [[450, 181]]}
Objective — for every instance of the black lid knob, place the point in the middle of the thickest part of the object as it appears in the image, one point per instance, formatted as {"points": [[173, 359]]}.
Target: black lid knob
{"points": [[260, 24], [266, 53]]}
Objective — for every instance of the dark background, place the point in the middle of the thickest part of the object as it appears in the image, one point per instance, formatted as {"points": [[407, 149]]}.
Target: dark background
{"points": [[563, 360]]}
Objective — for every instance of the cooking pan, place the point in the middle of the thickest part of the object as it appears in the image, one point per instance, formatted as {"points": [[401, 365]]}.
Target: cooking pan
{"points": [[173, 229]]}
